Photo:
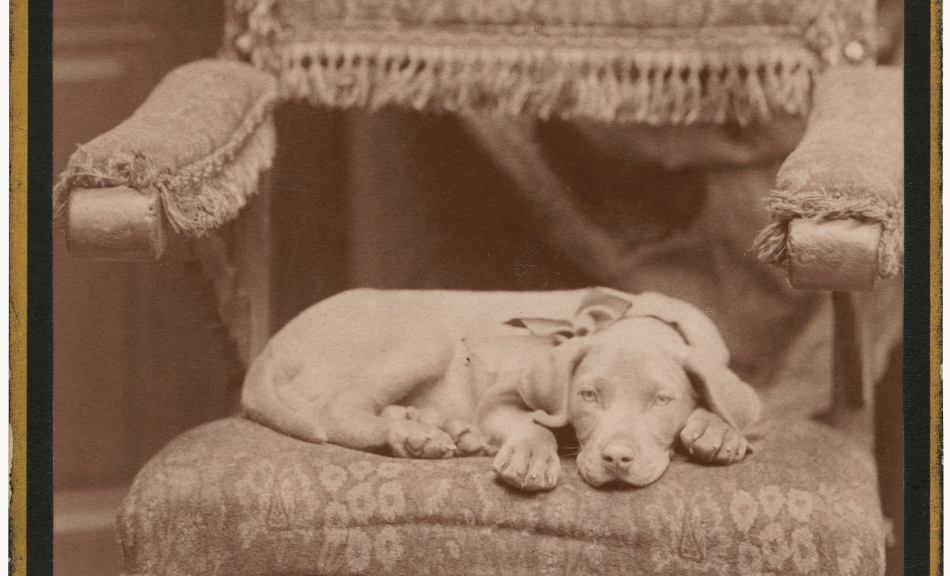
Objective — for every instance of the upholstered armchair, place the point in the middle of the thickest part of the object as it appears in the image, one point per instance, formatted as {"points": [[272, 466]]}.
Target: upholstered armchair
{"points": [[523, 145]]}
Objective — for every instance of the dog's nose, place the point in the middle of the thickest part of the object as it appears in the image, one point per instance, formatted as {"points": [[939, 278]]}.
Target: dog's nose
{"points": [[617, 456]]}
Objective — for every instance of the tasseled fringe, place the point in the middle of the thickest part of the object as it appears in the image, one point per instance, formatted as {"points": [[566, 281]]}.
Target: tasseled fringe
{"points": [[772, 243], [135, 170], [203, 199], [209, 192], [201, 195], [644, 85]]}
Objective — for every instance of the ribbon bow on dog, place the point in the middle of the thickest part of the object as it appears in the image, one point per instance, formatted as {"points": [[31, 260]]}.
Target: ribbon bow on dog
{"points": [[598, 311]]}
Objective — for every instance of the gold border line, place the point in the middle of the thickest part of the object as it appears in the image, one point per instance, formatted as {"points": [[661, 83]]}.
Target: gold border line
{"points": [[19, 65], [936, 300]]}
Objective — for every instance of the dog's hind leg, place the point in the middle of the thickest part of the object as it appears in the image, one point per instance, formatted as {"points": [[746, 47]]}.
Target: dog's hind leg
{"points": [[467, 437], [362, 429]]}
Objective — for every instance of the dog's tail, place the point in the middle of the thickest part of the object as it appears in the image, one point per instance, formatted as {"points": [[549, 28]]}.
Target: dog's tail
{"points": [[261, 402]]}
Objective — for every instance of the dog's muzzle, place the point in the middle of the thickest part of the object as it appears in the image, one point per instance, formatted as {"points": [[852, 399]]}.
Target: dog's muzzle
{"points": [[621, 463]]}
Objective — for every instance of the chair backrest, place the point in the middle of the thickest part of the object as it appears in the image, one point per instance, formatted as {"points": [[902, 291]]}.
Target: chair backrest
{"points": [[691, 61]]}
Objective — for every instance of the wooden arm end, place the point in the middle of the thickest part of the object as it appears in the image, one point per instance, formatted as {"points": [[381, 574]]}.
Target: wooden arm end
{"points": [[118, 223], [833, 254]]}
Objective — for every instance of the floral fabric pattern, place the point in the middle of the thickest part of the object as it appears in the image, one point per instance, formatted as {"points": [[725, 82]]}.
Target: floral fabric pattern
{"points": [[233, 497]]}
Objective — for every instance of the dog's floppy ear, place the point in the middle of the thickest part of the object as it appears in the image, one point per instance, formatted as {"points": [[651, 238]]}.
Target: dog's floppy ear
{"points": [[693, 325], [706, 357], [546, 386], [725, 394]]}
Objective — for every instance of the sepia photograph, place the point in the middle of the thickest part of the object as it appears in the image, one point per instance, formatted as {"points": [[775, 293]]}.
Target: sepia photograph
{"points": [[480, 287]]}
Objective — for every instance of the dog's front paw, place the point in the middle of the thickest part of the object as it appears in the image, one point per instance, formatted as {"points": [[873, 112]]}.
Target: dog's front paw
{"points": [[709, 438], [411, 439], [528, 464]]}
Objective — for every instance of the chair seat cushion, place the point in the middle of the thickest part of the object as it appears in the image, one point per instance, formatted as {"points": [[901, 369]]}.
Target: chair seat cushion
{"points": [[234, 497]]}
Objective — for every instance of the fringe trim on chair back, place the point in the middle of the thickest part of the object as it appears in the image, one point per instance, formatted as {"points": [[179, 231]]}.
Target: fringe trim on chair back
{"points": [[626, 82], [606, 60]]}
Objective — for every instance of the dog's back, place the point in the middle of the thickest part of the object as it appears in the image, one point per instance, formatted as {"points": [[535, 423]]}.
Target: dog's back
{"points": [[367, 349], [377, 346]]}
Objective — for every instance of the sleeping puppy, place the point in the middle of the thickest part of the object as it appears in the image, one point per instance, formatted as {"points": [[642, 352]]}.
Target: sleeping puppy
{"points": [[434, 374]]}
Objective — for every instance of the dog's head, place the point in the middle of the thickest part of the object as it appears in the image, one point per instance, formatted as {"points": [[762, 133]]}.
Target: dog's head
{"points": [[628, 390]]}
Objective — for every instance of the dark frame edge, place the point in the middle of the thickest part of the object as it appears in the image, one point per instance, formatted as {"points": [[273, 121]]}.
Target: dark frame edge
{"points": [[38, 298]]}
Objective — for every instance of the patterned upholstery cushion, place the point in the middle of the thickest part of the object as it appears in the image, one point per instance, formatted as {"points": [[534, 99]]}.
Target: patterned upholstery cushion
{"points": [[233, 497]]}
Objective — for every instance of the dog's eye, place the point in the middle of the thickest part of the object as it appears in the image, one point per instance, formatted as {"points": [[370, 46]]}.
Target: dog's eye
{"points": [[662, 400], [588, 395]]}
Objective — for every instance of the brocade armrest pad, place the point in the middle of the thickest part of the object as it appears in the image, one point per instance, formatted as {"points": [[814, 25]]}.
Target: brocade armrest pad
{"points": [[200, 140], [850, 165], [234, 497]]}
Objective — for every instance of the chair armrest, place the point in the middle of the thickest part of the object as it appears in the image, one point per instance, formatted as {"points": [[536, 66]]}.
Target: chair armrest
{"points": [[193, 151], [838, 210]]}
